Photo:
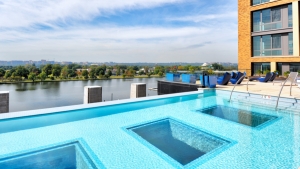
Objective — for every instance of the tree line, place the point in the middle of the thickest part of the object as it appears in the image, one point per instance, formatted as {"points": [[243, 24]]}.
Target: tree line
{"points": [[76, 71], [73, 71]]}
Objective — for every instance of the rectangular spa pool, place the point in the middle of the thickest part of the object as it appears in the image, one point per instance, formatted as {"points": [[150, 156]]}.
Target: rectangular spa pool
{"points": [[188, 130], [180, 141], [245, 117], [68, 156]]}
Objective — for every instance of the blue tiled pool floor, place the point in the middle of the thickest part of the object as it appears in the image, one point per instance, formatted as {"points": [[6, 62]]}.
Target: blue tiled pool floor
{"points": [[275, 146]]}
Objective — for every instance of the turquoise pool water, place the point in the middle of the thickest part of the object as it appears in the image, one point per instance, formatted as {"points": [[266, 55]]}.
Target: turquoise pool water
{"points": [[104, 134]]}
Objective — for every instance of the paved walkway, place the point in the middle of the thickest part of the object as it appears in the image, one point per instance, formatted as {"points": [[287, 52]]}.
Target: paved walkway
{"points": [[264, 88]]}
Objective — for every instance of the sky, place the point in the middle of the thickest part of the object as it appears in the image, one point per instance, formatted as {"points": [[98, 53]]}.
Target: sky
{"points": [[119, 30]]}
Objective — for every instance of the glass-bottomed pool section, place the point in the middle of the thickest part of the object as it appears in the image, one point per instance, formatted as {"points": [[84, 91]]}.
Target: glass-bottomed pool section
{"points": [[132, 135], [181, 142], [252, 119], [67, 155]]}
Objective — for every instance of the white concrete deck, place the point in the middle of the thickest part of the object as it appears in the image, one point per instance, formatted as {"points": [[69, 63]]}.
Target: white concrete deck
{"points": [[264, 88]]}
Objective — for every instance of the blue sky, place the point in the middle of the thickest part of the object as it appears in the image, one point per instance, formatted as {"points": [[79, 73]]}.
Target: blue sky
{"points": [[119, 30]]}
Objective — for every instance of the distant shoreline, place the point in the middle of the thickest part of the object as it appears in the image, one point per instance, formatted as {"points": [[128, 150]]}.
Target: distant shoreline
{"points": [[66, 80]]}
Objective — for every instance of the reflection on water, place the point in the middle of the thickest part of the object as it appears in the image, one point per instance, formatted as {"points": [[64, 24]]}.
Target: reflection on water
{"points": [[28, 96]]}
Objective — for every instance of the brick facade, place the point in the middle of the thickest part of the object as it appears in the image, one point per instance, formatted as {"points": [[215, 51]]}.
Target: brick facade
{"points": [[244, 35]]}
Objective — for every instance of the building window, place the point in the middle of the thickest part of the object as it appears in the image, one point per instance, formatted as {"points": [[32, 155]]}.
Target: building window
{"points": [[288, 66], [267, 45], [290, 15], [272, 18], [255, 2], [290, 43], [259, 68]]}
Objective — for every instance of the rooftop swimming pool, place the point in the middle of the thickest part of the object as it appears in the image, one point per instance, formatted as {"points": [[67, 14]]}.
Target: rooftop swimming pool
{"points": [[186, 130]]}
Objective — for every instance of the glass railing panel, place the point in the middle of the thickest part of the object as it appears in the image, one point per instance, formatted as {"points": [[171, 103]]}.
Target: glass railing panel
{"points": [[276, 52], [255, 2], [256, 27], [256, 53], [290, 23], [266, 53], [270, 26]]}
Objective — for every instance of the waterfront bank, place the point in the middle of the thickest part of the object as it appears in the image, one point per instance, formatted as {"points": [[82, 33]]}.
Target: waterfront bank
{"points": [[28, 96], [74, 79]]}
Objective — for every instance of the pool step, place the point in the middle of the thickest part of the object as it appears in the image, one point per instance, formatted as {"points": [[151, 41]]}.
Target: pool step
{"points": [[261, 105], [285, 105], [267, 102]]}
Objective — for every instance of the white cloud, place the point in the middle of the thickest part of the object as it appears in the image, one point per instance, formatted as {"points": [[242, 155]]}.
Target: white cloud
{"points": [[20, 13], [200, 18], [212, 37], [122, 44]]}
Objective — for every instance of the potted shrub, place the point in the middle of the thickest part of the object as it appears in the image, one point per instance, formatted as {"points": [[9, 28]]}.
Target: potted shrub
{"points": [[286, 74]]}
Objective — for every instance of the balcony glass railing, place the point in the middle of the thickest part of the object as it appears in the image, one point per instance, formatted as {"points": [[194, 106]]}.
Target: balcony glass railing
{"points": [[269, 52], [267, 26], [290, 23], [255, 2]]}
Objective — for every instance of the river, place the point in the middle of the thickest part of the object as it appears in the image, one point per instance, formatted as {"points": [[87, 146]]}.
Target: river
{"points": [[29, 96]]}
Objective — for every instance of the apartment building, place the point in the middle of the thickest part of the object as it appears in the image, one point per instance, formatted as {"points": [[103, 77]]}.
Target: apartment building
{"points": [[268, 35]]}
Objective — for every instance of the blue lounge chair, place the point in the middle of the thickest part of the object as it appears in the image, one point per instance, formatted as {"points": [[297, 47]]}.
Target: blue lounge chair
{"points": [[233, 75], [234, 80], [224, 80], [273, 77], [264, 79]]}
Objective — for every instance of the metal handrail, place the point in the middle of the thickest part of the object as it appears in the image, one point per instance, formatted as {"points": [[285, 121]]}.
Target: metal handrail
{"points": [[292, 77], [247, 83], [240, 79]]}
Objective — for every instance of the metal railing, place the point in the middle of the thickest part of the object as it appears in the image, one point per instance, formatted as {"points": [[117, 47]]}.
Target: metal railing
{"points": [[237, 82], [292, 77]]}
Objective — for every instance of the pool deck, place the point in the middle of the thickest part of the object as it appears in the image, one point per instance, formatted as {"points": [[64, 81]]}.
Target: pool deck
{"points": [[267, 89]]}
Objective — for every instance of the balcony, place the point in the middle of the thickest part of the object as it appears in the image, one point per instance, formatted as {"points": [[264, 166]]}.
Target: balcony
{"points": [[267, 26], [256, 2]]}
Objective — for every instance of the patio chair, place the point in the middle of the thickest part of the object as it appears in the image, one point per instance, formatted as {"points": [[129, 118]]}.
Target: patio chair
{"points": [[233, 75], [273, 77], [269, 76], [224, 80], [266, 78], [234, 80]]}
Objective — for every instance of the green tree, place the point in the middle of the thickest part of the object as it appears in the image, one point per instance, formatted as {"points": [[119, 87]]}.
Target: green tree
{"points": [[135, 68], [32, 76], [192, 69], [71, 73], [93, 73], [146, 68], [160, 74], [173, 69], [56, 70], [47, 69], [109, 73], [7, 74], [42, 76], [217, 66], [21, 71], [85, 74], [64, 72], [118, 71], [2, 73], [14, 76], [149, 74], [158, 69], [141, 72]]}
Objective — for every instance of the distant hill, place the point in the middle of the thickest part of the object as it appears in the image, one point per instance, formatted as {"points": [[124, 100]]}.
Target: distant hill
{"points": [[44, 62]]}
